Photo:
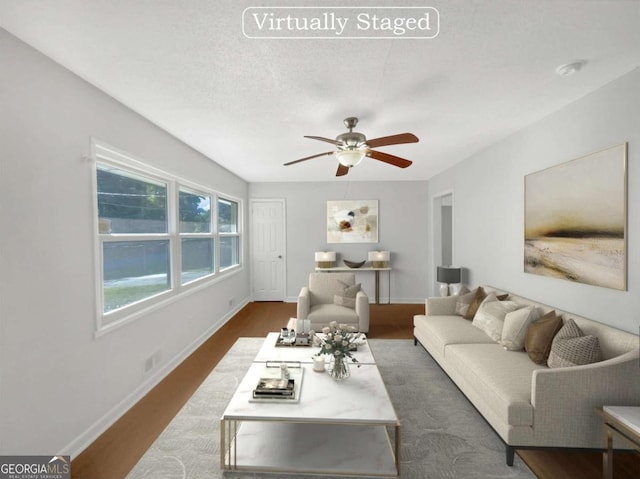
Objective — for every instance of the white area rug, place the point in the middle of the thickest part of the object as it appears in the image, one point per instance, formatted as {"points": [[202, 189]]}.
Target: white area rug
{"points": [[443, 436]]}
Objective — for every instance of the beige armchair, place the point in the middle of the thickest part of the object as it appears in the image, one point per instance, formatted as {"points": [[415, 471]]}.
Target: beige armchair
{"points": [[330, 297]]}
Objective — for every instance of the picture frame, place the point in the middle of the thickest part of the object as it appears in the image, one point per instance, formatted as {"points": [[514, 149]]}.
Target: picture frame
{"points": [[575, 221], [352, 221]]}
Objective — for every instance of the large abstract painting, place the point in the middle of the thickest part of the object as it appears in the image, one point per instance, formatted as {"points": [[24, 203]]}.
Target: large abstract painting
{"points": [[352, 221], [576, 220]]}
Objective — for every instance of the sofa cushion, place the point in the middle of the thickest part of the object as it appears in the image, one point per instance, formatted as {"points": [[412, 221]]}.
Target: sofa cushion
{"points": [[445, 330], [347, 297], [477, 300], [323, 313], [490, 316], [499, 379], [515, 326], [571, 347], [540, 336], [463, 301]]}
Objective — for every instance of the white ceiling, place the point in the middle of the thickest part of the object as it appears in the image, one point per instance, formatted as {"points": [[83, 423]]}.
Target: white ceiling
{"points": [[246, 103]]}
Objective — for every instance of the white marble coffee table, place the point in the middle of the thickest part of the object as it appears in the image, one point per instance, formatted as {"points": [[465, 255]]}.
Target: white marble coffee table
{"points": [[270, 352], [336, 427]]}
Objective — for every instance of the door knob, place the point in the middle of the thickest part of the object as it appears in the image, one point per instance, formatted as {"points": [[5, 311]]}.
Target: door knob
{"points": [[280, 256]]}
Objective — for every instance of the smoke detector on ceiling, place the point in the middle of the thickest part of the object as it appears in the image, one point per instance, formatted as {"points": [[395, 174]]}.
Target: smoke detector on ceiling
{"points": [[570, 68]]}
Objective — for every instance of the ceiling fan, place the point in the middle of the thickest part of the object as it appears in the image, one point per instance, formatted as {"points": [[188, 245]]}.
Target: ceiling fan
{"points": [[354, 146]]}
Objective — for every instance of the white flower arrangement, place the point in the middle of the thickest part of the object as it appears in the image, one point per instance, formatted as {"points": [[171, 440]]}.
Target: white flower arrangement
{"points": [[338, 341]]}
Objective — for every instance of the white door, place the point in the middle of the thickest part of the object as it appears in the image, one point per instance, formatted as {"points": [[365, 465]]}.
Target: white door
{"points": [[267, 249]]}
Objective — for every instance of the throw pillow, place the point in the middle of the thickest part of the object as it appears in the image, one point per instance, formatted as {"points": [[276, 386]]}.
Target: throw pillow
{"points": [[347, 297], [571, 347], [516, 324], [475, 303], [490, 316], [540, 336], [463, 302]]}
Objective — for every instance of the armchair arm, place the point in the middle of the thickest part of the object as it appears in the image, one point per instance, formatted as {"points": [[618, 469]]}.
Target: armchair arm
{"points": [[362, 310], [304, 303]]}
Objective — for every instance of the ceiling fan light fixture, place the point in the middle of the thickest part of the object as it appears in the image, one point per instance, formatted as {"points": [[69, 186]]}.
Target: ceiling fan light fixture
{"points": [[350, 157]]}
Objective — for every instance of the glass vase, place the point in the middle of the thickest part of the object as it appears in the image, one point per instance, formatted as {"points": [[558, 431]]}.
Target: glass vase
{"points": [[339, 368]]}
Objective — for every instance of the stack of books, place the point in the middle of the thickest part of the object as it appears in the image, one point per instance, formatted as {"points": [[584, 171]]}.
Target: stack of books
{"points": [[274, 388]]}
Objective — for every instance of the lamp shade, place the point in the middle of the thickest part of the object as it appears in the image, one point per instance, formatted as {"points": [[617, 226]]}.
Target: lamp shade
{"points": [[448, 274], [325, 255], [379, 259], [325, 259], [350, 157]]}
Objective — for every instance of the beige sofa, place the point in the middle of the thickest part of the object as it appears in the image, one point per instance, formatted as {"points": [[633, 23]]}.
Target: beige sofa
{"points": [[527, 404]]}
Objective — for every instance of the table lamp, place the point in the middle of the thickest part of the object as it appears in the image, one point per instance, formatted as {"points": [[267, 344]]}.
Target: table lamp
{"points": [[325, 259], [447, 275], [379, 259]]}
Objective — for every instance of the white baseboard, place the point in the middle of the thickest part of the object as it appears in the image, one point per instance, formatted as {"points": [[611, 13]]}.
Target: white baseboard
{"points": [[79, 444]]}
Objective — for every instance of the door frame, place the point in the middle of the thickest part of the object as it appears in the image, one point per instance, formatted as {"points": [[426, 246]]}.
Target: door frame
{"points": [[283, 202], [437, 201]]}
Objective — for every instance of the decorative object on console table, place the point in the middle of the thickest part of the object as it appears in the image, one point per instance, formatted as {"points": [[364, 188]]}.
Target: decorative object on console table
{"points": [[379, 259], [325, 259], [353, 264], [447, 275]]}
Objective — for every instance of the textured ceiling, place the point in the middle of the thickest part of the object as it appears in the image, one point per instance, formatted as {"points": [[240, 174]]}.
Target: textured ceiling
{"points": [[246, 103]]}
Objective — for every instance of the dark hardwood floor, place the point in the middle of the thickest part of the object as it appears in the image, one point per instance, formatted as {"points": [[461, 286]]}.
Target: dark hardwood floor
{"points": [[116, 451]]}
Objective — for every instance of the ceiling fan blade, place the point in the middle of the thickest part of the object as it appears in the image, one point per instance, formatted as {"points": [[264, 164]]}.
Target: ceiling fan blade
{"points": [[391, 159], [309, 157], [342, 170], [393, 140], [328, 140]]}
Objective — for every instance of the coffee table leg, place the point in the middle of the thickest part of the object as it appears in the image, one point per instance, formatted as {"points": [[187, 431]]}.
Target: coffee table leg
{"points": [[607, 455], [398, 441], [228, 444]]}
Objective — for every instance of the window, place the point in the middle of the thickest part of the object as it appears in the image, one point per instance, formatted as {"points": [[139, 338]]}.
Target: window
{"points": [[229, 233], [196, 238], [132, 224], [157, 235]]}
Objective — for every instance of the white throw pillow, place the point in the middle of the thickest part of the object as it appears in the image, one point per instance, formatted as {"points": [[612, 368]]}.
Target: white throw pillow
{"points": [[490, 316], [516, 323]]}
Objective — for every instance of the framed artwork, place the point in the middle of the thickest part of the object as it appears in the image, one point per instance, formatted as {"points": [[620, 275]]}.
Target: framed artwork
{"points": [[352, 221], [575, 225]]}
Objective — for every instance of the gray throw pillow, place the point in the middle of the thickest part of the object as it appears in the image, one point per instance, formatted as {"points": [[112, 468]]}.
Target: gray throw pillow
{"points": [[347, 297], [571, 347]]}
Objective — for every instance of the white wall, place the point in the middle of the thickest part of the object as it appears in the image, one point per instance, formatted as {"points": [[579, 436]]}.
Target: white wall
{"points": [[60, 387], [489, 201], [402, 231]]}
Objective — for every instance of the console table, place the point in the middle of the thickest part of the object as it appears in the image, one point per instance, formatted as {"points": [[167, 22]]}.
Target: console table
{"points": [[369, 269], [622, 422]]}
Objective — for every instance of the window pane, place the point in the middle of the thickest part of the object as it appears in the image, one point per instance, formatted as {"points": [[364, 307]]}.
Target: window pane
{"points": [[128, 203], [195, 213], [227, 216], [197, 258], [229, 251], [134, 270]]}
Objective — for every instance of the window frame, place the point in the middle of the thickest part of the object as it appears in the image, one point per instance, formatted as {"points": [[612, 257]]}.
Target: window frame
{"points": [[103, 154], [235, 234]]}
